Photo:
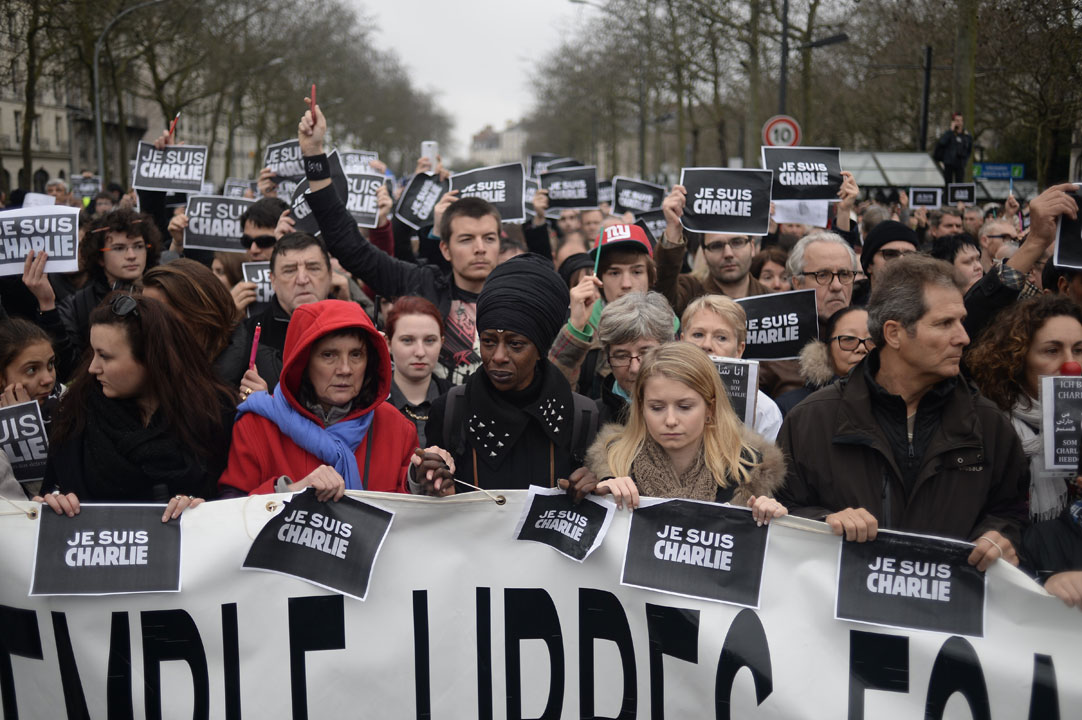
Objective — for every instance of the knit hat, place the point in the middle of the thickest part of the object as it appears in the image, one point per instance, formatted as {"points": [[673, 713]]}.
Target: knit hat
{"points": [[883, 233], [526, 296], [624, 237], [572, 264]]}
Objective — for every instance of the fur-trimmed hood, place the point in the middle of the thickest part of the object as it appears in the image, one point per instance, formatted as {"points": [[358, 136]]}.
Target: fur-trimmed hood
{"points": [[815, 366], [764, 478]]}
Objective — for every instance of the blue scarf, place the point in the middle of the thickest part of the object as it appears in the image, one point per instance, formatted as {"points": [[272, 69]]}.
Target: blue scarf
{"points": [[336, 445]]}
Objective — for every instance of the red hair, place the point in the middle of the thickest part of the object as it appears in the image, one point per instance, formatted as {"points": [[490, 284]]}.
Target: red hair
{"points": [[411, 305]]}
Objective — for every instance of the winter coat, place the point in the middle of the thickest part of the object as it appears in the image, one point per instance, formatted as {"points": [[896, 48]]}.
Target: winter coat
{"points": [[815, 369], [232, 363], [681, 288]]}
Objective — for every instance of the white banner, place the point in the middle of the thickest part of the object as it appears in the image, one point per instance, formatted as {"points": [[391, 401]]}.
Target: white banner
{"points": [[463, 621]]}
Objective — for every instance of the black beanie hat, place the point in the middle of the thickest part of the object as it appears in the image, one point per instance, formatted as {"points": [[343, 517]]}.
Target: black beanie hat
{"points": [[526, 296], [883, 233], [572, 264]]}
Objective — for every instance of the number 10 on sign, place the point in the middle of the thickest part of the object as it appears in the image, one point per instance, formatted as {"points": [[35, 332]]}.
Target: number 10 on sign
{"points": [[781, 131]]}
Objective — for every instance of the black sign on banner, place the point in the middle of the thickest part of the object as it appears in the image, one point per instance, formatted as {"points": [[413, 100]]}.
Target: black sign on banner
{"points": [[418, 200], [911, 581], [330, 544], [175, 168], [780, 324], [23, 440], [214, 223], [107, 550], [361, 201], [86, 187], [528, 191], [534, 159], [52, 228], [552, 518], [236, 187], [1069, 235], [286, 162], [574, 188], [258, 273], [965, 193], [301, 212], [696, 549], [723, 200], [804, 173], [501, 185], [926, 197], [604, 192], [741, 381], [358, 162], [653, 223], [635, 196]]}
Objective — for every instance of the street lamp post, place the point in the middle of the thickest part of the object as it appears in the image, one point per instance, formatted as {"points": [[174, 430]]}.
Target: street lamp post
{"points": [[97, 88]]}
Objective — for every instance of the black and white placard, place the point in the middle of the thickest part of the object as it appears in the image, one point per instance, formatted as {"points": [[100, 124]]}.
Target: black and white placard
{"points": [[551, 517], [804, 173], [534, 160], [330, 544], [286, 162], [780, 324], [501, 185], [236, 187], [357, 162], [925, 197], [741, 380], [965, 193], [574, 187], [724, 200], [418, 200], [214, 223], [1061, 421], [911, 581], [258, 273], [175, 168], [361, 199], [528, 191], [54, 229], [86, 187], [604, 192], [543, 166], [696, 549], [1069, 235], [301, 211], [635, 196], [23, 440], [107, 550], [653, 223]]}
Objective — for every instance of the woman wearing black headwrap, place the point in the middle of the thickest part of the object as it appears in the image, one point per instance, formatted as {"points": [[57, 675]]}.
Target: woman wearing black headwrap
{"points": [[515, 422]]}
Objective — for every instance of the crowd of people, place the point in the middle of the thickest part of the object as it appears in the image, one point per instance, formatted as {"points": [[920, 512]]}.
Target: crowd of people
{"points": [[572, 352]]}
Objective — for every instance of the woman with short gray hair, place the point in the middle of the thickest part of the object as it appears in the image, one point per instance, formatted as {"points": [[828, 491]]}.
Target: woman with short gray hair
{"points": [[628, 329]]}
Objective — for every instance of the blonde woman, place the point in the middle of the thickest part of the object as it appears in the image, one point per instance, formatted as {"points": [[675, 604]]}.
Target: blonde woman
{"points": [[683, 440]]}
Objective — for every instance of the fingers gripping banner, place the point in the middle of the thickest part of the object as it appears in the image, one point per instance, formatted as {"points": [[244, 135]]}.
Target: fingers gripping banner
{"points": [[461, 620]]}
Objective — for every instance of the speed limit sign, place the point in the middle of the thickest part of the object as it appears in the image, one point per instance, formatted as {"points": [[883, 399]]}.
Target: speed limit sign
{"points": [[781, 131]]}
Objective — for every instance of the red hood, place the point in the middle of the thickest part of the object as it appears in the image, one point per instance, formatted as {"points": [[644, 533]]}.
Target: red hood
{"points": [[312, 321]]}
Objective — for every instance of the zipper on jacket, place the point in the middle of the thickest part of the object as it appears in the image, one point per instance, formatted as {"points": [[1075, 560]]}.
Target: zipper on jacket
{"points": [[886, 523]]}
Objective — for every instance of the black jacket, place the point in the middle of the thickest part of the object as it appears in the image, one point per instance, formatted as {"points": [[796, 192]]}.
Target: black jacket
{"points": [[953, 149], [232, 363]]}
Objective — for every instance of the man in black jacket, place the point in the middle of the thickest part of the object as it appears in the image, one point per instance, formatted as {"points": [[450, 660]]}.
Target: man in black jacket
{"points": [[953, 149]]}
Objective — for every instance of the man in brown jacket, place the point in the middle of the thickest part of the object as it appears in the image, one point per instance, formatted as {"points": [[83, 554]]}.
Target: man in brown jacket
{"points": [[904, 443]]}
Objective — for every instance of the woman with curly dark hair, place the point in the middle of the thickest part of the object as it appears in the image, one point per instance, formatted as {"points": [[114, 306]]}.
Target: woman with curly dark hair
{"points": [[1028, 340]]}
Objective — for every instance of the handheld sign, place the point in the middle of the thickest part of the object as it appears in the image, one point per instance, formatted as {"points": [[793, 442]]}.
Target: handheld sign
{"points": [[85, 188], [1069, 235], [214, 223], [696, 549], [330, 544], [534, 159], [236, 187], [574, 188], [653, 223], [35, 200], [528, 191], [965, 193], [635, 196], [604, 192], [807, 212], [1061, 411], [804, 173], [911, 581], [361, 200], [501, 185], [285, 161], [23, 440], [175, 168], [258, 273], [52, 229], [925, 197], [551, 517], [741, 380], [554, 163], [418, 200], [107, 550], [355, 162], [780, 324], [301, 212], [723, 200]]}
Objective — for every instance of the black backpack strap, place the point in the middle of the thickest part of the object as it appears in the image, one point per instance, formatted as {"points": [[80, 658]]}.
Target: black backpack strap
{"points": [[584, 426], [453, 437]]}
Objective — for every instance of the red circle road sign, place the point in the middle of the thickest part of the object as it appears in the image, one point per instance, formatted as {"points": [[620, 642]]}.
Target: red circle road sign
{"points": [[782, 131]]}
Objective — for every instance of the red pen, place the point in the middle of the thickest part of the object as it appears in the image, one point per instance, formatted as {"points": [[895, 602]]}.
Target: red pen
{"points": [[255, 346], [173, 125], [313, 100]]}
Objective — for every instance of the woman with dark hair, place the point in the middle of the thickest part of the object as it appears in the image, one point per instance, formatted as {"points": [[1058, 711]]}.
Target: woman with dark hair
{"points": [[414, 330], [961, 251], [145, 419], [1029, 339], [190, 290], [768, 267], [227, 268]]}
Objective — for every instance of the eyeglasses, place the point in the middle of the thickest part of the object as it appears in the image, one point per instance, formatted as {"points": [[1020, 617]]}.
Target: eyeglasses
{"points": [[125, 247], [825, 277], [124, 305], [894, 253], [263, 241], [736, 243], [849, 343], [623, 361]]}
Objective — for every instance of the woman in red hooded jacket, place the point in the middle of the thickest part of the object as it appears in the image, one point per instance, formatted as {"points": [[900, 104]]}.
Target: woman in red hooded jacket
{"points": [[327, 425]]}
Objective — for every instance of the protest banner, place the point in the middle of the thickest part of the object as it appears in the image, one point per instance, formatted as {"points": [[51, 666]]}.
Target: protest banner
{"points": [[780, 324], [529, 633], [635, 196], [214, 223], [361, 198], [535, 159], [723, 200], [965, 193], [604, 192], [358, 162], [258, 273], [418, 200], [24, 441], [501, 185], [54, 229], [741, 380], [804, 173], [36, 200], [925, 197], [653, 222], [174, 168], [1068, 251], [286, 162], [85, 188], [236, 187], [552, 517], [1061, 421], [574, 187]]}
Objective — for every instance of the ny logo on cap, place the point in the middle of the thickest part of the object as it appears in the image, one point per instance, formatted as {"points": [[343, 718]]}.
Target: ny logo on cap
{"points": [[617, 232]]}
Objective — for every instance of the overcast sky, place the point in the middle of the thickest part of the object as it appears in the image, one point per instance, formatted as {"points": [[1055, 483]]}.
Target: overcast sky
{"points": [[477, 54]]}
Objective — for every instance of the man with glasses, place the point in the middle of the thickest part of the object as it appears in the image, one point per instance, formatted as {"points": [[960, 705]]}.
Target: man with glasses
{"points": [[993, 235], [887, 241]]}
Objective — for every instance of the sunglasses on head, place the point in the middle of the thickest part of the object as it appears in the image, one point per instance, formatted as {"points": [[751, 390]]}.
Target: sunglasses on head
{"points": [[124, 305], [263, 241]]}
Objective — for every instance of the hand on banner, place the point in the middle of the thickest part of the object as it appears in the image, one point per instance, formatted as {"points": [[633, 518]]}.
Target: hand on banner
{"points": [[178, 504], [1044, 213], [764, 508], [266, 185], [285, 225], [311, 129], [177, 223], [434, 468], [424, 165], [581, 483], [441, 207], [857, 524], [378, 167], [14, 394], [540, 205], [991, 546], [583, 297], [244, 294], [325, 480], [250, 383], [772, 227], [62, 504], [165, 140], [37, 281], [623, 491], [673, 208], [385, 204], [1067, 586]]}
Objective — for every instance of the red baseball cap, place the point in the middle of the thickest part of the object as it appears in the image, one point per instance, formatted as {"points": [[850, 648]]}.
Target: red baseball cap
{"points": [[626, 237]]}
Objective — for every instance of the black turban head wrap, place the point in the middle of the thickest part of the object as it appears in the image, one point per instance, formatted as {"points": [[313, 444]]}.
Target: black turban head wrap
{"points": [[524, 295]]}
